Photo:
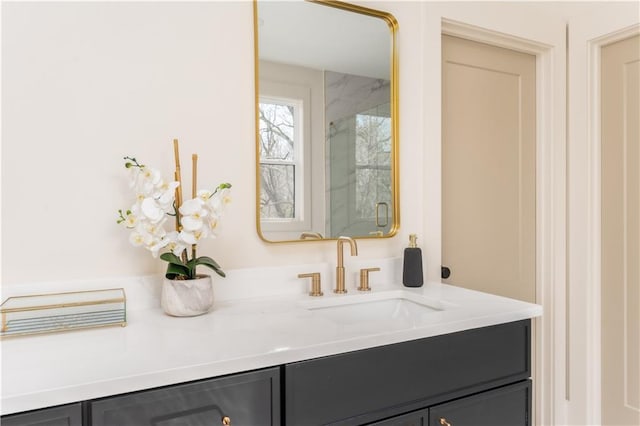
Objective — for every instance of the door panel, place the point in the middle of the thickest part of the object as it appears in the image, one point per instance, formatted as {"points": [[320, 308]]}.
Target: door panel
{"points": [[620, 91], [489, 166]]}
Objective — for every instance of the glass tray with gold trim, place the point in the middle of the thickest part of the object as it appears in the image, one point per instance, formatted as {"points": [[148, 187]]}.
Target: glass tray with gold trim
{"points": [[48, 313]]}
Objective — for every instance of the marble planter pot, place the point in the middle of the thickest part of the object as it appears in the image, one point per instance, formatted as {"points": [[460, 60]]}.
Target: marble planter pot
{"points": [[187, 298]]}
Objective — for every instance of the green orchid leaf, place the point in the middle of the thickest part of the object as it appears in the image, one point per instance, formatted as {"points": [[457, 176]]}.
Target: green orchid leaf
{"points": [[203, 260], [210, 263], [191, 265], [171, 258], [175, 270]]}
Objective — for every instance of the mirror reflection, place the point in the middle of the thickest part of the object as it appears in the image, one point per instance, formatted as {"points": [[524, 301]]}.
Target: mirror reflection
{"points": [[326, 121]]}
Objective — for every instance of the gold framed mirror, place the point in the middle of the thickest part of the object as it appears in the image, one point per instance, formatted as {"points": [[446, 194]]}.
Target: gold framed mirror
{"points": [[326, 75]]}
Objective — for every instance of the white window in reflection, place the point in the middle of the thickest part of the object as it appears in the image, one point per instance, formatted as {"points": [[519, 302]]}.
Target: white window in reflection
{"points": [[373, 161], [280, 158]]}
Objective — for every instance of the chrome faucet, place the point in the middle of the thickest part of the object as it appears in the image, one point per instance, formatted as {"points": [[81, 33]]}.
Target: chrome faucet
{"points": [[340, 287]]}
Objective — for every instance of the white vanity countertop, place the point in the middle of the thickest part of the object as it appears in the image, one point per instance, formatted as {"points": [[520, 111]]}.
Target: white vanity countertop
{"points": [[156, 350]]}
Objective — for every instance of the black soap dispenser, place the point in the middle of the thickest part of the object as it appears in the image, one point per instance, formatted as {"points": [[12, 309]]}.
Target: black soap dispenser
{"points": [[412, 265]]}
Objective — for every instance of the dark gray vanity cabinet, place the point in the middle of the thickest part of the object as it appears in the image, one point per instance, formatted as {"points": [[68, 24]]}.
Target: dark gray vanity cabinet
{"points": [[366, 386], [243, 399], [64, 415]]}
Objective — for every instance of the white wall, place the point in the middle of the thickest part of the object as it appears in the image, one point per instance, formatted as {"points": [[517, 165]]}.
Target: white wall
{"points": [[84, 84]]}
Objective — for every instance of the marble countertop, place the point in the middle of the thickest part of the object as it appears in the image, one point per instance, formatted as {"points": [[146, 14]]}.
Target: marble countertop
{"points": [[238, 335]]}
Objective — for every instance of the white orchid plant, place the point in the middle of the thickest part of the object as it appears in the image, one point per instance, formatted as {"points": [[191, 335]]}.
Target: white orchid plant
{"points": [[158, 202]]}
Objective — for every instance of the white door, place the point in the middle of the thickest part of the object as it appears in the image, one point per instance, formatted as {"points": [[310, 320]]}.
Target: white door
{"points": [[489, 168], [620, 280]]}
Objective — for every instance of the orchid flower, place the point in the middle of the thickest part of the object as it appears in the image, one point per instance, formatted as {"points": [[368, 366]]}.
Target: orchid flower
{"points": [[196, 219], [151, 210], [174, 243], [193, 214]]}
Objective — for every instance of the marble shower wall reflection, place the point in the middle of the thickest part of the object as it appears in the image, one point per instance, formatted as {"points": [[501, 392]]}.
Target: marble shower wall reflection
{"points": [[358, 155]]}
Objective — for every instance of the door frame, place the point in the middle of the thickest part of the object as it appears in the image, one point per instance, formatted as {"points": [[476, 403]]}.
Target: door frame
{"points": [[587, 36], [547, 331]]}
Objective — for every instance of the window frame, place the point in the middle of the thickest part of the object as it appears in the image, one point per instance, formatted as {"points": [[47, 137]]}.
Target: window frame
{"points": [[300, 96]]}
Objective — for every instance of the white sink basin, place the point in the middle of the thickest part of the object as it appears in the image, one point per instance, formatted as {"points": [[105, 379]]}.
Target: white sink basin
{"points": [[395, 306]]}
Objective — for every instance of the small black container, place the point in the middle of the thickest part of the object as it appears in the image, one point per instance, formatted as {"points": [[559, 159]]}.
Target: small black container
{"points": [[412, 265]]}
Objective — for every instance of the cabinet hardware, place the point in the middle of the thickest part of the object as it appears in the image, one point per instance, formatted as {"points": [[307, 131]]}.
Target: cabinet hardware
{"points": [[226, 421], [444, 422]]}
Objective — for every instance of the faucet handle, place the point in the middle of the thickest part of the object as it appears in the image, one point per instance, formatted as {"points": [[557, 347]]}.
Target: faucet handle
{"points": [[315, 283], [364, 278]]}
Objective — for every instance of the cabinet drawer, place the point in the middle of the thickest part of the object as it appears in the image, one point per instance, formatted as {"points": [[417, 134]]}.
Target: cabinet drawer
{"points": [[247, 399], [65, 415], [361, 386], [507, 406]]}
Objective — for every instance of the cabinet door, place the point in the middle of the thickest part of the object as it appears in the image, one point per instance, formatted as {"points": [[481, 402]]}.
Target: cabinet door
{"points": [[66, 415], [506, 406], [416, 418], [245, 399]]}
